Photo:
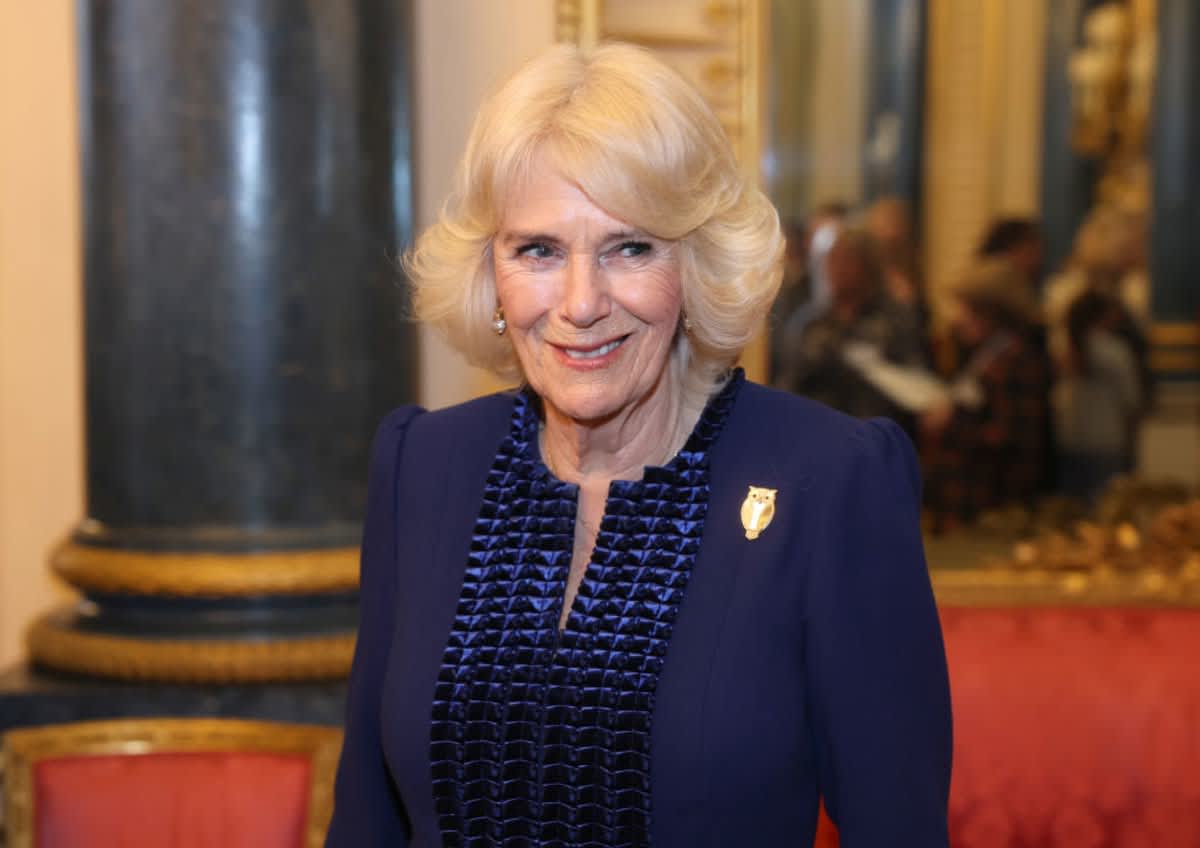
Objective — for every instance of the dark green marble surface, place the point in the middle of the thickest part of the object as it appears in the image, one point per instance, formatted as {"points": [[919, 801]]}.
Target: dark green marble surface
{"points": [[247, 173], [31, 697]]}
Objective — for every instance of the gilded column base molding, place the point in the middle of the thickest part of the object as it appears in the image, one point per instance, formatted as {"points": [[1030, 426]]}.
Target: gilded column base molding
{"points": [[206, 574], [56, 643]]}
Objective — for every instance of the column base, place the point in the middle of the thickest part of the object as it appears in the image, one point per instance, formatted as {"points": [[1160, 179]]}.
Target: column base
{"points": [[216, 574], [62, 641]]}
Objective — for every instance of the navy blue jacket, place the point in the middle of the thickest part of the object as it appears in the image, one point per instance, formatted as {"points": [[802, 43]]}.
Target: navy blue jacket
{"points": [[805, 664]]}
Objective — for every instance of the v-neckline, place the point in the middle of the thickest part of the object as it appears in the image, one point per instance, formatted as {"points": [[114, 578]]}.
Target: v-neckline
{"points": [[707, 425]]}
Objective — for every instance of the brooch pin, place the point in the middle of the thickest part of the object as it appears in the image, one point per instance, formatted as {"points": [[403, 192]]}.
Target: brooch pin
{"points": [[757, 510]]}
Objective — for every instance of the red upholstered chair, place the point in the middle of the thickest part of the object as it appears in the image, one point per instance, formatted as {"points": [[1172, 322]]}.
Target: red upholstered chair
{"points": [[1074, 727], [169, 783]]}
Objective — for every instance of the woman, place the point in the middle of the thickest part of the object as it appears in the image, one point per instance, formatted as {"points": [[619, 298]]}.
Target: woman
{"points": [[1109, 256], [986, 445], [860, 313], [890, 224], [1097, 399], [641, 601], [804, 295]]}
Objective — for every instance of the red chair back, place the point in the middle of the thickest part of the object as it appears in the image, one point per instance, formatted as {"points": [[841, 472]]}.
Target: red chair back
{"points": [[1073, 726], [170, 783], [191, 800]]}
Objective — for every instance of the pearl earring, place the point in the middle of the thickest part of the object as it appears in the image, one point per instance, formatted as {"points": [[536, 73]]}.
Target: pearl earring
{"points": [[687, 323], [499, 325]]}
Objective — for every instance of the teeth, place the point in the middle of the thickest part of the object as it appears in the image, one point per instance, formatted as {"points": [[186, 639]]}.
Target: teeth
{"points": [[596, 353]]}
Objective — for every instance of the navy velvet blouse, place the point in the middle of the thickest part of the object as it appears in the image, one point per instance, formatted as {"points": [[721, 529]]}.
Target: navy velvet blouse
{"points": [[707, 688]]}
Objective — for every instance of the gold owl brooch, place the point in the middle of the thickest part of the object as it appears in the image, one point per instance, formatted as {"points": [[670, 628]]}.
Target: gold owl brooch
{"points": [[757, 510]]}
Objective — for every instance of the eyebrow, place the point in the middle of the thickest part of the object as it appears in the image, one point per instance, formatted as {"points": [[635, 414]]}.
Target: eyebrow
{"points": [[515, 236]]}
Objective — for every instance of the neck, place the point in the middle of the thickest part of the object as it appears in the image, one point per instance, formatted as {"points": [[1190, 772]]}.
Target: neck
{"points": [[647, 432]]}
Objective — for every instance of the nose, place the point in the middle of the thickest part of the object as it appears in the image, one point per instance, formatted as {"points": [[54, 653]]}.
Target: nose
{"points": [[585, 295]]}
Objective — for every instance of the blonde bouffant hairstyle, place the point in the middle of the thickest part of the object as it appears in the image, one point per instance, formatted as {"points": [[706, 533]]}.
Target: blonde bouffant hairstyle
{"points": [[643, 145]]}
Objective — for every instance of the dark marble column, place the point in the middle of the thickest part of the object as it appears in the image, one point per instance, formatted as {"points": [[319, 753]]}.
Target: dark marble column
{"points": [[896, 99], [247, 192], [1175, 217]]}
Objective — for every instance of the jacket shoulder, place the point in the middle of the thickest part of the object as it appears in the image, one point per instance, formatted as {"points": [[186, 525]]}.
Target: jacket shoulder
{"points": [[463, 437], [814, 441], [797, 425], [471, 419]]}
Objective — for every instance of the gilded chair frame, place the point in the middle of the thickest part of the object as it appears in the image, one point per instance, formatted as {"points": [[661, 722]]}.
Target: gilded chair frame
{"points": [[24, 748]]}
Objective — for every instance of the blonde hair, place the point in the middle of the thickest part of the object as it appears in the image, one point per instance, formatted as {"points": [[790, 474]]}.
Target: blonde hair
{"points": [[643, 145]]}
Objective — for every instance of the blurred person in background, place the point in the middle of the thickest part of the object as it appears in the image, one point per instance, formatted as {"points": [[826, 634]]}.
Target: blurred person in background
{"points": [[795, 292], [889, 222], [804, 295], [985, 445], [1097, 398], [1109, 257], [1019, 240], [860, 313]]}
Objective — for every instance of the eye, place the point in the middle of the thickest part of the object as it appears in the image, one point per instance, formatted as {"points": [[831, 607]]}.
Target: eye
{"points": [[536, 250], [633, 249]]}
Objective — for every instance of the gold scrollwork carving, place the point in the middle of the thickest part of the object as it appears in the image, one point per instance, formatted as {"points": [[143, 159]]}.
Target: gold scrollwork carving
{"points": [[721, 13], [663, 40], [206, 574], [25, 747], [719, 73], [567, 16], [730, 37], [57, 646], [577, 21]]}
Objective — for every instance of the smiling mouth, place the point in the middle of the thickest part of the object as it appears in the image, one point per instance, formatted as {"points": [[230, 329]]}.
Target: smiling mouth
{"points": [[595, 352]]}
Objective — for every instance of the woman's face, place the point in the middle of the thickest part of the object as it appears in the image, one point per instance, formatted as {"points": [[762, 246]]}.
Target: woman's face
{"points": [[592, 303]]}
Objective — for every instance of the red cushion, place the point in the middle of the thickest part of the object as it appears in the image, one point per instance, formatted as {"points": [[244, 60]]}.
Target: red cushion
{"points": [[168, 800], [1074, 727]]}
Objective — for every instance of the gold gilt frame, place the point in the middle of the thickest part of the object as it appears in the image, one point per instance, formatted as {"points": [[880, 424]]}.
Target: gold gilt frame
{"points": [[719, 45], [24, 748]]}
